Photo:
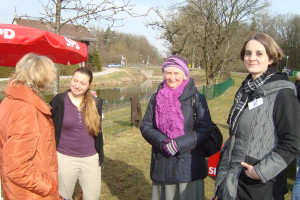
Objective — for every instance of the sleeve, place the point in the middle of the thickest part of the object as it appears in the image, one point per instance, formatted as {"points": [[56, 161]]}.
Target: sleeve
{"points": [[57, 111], [298, 93], [202, 127], [99, 104], [19, 152], [287, 122], [54, 101], [100, 138], [148, 128]]}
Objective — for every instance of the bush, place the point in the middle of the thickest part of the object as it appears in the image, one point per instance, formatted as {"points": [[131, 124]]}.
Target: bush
{"points": [[5, 72], [95, 61], [67, 70]]}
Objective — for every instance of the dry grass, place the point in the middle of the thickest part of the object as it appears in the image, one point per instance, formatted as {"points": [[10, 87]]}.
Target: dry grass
{"points": [[126, 76], [126, 169]]}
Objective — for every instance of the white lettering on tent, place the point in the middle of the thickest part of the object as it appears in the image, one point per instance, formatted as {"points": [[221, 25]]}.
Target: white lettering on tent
{"points": [[212, 170], [72, 43], [7, 33]]}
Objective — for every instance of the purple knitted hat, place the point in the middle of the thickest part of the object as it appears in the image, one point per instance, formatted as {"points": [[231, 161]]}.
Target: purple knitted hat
{"points": [[176, 61]]}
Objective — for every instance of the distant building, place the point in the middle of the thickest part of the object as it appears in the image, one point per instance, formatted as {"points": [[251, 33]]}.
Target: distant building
{"points": [[74, 32]]}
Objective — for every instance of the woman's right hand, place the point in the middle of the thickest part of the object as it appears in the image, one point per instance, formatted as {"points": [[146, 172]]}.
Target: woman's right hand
{"points": [[169, 146], [250, 171]]}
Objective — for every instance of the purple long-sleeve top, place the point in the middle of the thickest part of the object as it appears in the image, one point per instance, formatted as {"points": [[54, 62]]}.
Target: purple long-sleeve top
{"points": [[75, 139]]}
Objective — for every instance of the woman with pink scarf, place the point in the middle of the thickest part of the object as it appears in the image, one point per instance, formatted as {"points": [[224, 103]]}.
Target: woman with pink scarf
{"points": [[178, 166]]}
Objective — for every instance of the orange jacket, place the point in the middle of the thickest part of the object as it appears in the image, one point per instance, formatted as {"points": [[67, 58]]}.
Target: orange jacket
{"points": [[28, 160]]}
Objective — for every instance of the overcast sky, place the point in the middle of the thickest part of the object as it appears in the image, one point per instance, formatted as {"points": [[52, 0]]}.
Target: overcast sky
{"points": [[130, 25]]}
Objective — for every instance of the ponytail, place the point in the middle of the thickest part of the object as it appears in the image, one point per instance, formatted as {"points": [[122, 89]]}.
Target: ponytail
{"points": [[91, 115]]}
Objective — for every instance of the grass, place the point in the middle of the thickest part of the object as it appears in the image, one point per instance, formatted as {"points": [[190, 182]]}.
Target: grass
{"points": [[126, 173], [116, 121], [126, 169], [116, 79]]}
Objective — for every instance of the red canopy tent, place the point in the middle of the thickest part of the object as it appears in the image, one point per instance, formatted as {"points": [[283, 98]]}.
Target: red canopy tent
{"points": [[16, 41]]}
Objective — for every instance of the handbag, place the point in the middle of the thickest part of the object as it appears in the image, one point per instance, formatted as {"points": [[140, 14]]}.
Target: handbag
{"points": [[214, 143]]}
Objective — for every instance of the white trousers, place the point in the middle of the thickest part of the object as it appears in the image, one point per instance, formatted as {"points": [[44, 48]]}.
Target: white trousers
{"points": [[85, 169]]}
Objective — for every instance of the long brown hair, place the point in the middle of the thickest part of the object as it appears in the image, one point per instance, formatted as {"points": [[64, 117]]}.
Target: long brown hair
{"points": [[88, 105]]}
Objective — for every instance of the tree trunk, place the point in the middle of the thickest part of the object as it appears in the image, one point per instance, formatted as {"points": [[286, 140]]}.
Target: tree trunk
{"points": [[57, 31], [56, 83]]}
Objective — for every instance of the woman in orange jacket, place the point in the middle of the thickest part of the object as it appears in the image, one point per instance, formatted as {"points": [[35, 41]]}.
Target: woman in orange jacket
{"points": [[28, 161]]}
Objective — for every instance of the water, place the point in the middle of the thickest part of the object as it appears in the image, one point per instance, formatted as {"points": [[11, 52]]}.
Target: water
{"points": [[119, 97], [114, 98]]}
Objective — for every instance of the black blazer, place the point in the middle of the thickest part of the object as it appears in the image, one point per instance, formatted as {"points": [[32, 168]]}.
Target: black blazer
{"points": [[57, 110]]}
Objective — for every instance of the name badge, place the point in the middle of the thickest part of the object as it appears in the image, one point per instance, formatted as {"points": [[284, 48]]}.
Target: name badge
{"points": [[255, 103]]}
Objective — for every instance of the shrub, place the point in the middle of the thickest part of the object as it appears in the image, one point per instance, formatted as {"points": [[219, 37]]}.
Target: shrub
{"points": [[95, 61], [5, 72], [67, 70]]}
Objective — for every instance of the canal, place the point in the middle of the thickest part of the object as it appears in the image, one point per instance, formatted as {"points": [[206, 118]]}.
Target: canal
{"points": [[114, 98]]}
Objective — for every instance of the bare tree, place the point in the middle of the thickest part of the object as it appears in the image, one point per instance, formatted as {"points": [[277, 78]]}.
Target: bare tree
{"points": [[173, 27], [206, 30], [80, 12], [285, 29], [134, 48]]}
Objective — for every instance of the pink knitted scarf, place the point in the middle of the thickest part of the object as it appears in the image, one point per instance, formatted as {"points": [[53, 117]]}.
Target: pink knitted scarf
{"points": [[169, 118]]}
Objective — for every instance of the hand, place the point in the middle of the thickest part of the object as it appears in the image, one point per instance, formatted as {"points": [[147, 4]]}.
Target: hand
{"points": [[170, 147], [250, 171]]}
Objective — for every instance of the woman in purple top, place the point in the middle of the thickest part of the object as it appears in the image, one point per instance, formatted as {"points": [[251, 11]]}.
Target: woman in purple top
{"points": [[79, 140], [177, 165]]}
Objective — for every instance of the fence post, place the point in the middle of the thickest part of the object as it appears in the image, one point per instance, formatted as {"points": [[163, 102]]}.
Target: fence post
{"points": [[214, 91]]}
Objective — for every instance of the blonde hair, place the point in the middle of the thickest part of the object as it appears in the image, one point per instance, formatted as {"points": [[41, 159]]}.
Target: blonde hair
{"points": [[88, 105], [273, 50], [36, 71]]}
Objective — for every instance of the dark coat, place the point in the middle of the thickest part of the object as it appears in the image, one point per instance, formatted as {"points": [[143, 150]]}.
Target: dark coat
{"points": [[189, 164], [57, 104]]}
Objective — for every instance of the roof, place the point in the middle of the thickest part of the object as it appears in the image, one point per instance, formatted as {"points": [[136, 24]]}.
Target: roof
{"points": [[75, 32]]}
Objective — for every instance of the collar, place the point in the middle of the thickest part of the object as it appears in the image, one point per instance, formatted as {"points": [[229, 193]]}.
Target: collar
{"points": [[24, 93], [67, 99]]}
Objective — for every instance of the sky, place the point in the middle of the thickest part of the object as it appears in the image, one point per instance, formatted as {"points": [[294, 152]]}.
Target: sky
{"points": [[129, 25]]}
